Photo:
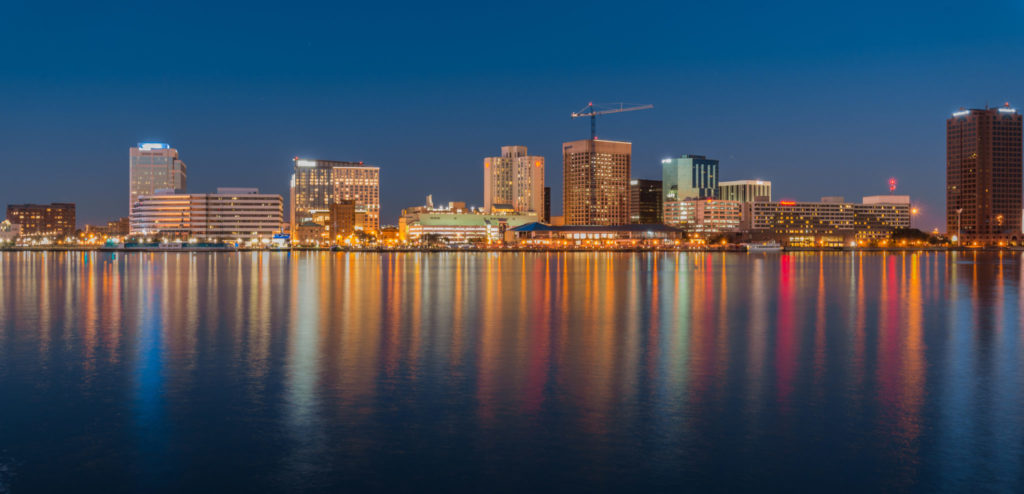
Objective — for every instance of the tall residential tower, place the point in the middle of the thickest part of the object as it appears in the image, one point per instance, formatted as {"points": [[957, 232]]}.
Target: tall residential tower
{"points": [[983, 175], [515, 179]]}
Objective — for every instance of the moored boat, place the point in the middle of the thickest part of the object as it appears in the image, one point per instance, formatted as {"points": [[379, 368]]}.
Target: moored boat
{"points": [[769, 246]]}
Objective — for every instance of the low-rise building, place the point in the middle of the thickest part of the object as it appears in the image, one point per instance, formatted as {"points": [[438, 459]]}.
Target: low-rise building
{"points": [[55, 221], [548, 236], [389, 234], [457, 223], [9, 231], [309, 234], [230, 214]]}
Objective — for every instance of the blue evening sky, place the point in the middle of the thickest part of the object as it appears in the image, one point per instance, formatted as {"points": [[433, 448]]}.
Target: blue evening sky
{"points": [[822, 98]]}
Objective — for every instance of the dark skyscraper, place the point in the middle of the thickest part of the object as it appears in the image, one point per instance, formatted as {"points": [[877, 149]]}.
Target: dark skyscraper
{"points": [[645, 201], [547, 205], [983, 175]]}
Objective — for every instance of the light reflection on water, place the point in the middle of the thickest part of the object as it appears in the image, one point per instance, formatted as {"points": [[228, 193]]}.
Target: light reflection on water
{"points": [[707, 371]]}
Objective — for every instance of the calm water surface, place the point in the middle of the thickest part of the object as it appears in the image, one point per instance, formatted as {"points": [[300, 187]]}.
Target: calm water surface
{"points": [[511, 372]]}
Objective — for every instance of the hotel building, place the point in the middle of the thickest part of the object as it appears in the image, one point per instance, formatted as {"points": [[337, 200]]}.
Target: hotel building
{"points": [[316, 184], [596, 182], [230, 214], [983, 175], [154, 166], [56, 220], [515, 180], [645, 201], [831, 222], [688, 177], [745, 190]]}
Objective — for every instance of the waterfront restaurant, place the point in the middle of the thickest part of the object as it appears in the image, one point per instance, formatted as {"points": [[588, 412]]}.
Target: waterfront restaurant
{"points": [[580, 236]]}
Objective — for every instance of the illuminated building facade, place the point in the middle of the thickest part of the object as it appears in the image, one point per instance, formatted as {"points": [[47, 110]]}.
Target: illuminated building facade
{"points": [[56, 220], [591, 236], [315, 184], [706, 216], [9, 232], [689, 177], [361, 185], [983, 175], [456, 223], [514, 178], [312, 188], [645, 201], [309, 234], [154, 166], [230, 214], [596, 182], [342, 219], [745, 190], [827, 223]]}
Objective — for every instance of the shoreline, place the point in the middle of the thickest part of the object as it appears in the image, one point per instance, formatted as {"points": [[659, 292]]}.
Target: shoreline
{"points": [[516, 249]]}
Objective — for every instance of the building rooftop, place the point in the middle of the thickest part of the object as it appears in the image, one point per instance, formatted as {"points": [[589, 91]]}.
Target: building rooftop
{"points": [[745, 182]]}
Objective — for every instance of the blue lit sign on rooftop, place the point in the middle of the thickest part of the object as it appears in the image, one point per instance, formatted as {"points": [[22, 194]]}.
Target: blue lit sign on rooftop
{"points": [[149, 146]]}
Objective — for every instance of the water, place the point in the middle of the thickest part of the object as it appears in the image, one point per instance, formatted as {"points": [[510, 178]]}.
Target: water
{"points": [[508, 372]]}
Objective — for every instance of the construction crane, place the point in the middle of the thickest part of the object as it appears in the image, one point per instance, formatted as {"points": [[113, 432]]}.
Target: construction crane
{"points": [[592, 111]]}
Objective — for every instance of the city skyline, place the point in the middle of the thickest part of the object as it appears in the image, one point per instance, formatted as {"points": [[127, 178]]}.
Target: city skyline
{"points": [[892, 73]]}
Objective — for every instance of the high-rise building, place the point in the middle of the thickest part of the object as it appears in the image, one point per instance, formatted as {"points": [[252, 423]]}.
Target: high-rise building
{"points": [[230, 214], [745, 190], [515, 179], [56, 220], [645, 201], [311, 188], [595, 185], [154, 166], [983, 175], [360, 184], [547, 205], [315, 184], [690, 176]]}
